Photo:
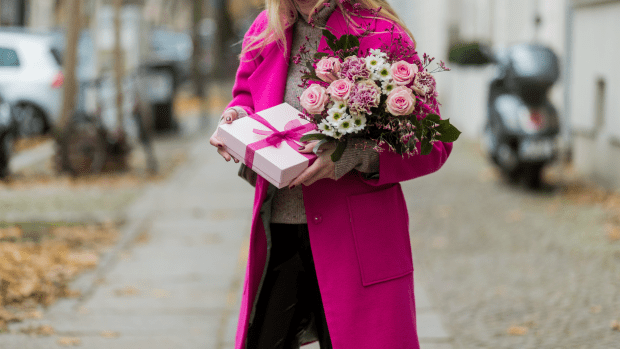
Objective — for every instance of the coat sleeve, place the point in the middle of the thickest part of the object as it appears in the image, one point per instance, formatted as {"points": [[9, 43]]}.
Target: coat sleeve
{"points": [[242, 95], [394, 168]]}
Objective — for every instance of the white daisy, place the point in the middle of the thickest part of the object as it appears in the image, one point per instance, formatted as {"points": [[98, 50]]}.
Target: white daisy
{"points": [[373, 62], [383, 72], [387, 86], [345, 125], [334, 116], [378, 53], [325, 127], [359, 122], [339, 106]]}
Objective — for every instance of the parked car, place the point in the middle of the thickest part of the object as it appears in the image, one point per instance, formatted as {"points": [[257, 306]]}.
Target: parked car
{"points": [[31, 79], [8, 131]]}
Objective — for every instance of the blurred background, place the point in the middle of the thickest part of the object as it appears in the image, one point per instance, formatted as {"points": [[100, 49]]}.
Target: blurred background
{"points": [[118, 222]]}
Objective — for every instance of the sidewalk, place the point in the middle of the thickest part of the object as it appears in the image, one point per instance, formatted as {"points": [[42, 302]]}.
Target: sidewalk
{"points": [[175, 279]]}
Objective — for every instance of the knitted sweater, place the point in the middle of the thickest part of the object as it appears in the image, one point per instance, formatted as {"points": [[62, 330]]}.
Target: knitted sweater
{"points": [[288, 205]]}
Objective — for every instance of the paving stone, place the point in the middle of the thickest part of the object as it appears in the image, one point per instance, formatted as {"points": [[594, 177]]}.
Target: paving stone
{"points": [[430, 326]]}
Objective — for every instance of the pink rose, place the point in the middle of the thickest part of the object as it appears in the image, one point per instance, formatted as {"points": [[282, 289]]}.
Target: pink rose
{"points": [[314, 99], [340, 89], [328, 68], [403, 72], [400, 101]]}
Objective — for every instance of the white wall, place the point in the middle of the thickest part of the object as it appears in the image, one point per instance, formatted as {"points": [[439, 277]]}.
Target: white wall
{"points": [[595, 55], [596, 48], [463, 91]]}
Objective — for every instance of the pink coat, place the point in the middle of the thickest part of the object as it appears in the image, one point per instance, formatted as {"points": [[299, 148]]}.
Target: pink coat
{"points": [[359, 229]]}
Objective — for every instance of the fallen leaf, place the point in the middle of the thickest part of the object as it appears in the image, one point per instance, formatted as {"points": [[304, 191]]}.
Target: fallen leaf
{"points": [[440, 242], [127, 291], [517, 330], [443, 211], [45, 330], [615, 325], [109, 334], [142, 238], [157, 293], [34, 314], [613, 232], [67, 341], [514, 216]]}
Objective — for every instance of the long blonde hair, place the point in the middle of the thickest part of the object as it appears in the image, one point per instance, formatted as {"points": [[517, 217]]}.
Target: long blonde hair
{"points": [[282, 14]]}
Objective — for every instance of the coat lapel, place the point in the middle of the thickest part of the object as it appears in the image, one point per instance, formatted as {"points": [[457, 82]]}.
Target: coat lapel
{"points": [[268, 82]]}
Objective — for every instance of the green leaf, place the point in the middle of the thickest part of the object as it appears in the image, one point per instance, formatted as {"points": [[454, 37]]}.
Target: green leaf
{"points": [[448, 133], [331, 39], [427, 147], [320, 55], [319, 144], [433, 117], [313, 137], [347, 42], [312, 77], [337, 154]]}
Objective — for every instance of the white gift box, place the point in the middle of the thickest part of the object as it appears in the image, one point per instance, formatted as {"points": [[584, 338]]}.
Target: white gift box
{"points": [[279, 165]]}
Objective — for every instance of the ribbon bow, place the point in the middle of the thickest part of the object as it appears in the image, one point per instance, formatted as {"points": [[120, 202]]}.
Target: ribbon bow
{"points": [[292, 133]]}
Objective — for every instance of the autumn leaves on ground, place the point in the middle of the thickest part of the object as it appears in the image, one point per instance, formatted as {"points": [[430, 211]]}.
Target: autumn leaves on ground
{"points": [[41, 256], [39, 261]]}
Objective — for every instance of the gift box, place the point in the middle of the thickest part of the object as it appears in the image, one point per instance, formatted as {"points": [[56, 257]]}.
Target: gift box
{"points": [[268, 143]]}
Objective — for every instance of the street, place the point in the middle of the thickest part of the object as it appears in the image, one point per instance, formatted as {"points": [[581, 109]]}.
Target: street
{"points": [[496, 267], [510, 268]]}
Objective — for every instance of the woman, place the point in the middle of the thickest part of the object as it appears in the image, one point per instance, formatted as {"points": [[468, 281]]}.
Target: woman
{"points": [[330, 257]]}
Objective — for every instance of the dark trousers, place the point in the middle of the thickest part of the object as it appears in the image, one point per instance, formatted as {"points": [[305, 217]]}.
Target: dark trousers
{"points": [[289, 307]]}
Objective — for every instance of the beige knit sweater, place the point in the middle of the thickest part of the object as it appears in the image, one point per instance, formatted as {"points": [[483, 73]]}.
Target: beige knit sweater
{"points": [[288, 204]]}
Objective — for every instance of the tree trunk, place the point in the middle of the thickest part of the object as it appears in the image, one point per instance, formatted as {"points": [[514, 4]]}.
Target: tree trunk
{"points": [[73, 13], [224, 34], [118, 66]]}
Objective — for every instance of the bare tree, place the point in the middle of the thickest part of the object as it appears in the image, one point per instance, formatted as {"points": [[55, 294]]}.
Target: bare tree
{"points": [[224, 34], [73, 13], [118, 65]]}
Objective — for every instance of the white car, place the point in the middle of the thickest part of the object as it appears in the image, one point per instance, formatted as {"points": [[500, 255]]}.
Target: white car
{"points": [[31, 79]]}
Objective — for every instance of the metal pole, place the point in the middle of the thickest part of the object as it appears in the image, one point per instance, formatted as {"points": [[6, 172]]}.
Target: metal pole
{"points": [[568, 54]]}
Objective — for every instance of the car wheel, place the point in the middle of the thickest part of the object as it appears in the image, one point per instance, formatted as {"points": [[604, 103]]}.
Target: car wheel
{"points": [[30, 120], [6, 146]]}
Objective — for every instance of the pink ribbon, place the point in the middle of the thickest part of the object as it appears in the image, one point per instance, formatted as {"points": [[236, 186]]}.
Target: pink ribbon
{"points": [[293, 131]]}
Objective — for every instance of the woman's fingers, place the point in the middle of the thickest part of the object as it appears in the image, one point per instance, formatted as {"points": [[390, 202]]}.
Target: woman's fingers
{"points": [[305, 175], [224, 154], [307, 148], [229, 116]]}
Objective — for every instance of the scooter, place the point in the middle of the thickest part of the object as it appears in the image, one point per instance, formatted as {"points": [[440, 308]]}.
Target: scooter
{"points": [[521, 133]]}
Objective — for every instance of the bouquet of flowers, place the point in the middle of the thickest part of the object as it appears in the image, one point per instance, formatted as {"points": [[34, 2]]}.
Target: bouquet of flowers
{"points": [[375, 95]]}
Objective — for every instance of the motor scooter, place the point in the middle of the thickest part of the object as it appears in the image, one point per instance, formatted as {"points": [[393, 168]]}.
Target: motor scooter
{"points": [[522, 128]]}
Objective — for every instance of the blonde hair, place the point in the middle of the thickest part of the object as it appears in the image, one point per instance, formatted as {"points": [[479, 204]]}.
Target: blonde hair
{"points": [[281, 14]]}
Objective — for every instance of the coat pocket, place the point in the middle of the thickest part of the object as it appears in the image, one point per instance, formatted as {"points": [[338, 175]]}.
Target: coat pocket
{"points": [[379, 223]]}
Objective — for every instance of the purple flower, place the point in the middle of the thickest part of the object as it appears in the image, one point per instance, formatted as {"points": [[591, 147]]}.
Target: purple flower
{"points": [[354, 68], [424, 85], [364, 95]]}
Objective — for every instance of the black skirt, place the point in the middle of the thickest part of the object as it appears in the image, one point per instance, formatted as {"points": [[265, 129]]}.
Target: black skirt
{"points": [[289, 310]]}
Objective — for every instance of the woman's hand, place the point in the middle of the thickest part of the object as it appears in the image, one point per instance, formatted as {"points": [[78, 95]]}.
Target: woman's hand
{"points": [[228, 117], [323, 167]]}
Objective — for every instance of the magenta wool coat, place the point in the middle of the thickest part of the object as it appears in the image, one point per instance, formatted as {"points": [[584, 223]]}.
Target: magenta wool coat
{"points": [[358, 228]]}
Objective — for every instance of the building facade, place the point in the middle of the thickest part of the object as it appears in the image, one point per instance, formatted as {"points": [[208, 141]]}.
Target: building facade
{"points": [[595, 90]]}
